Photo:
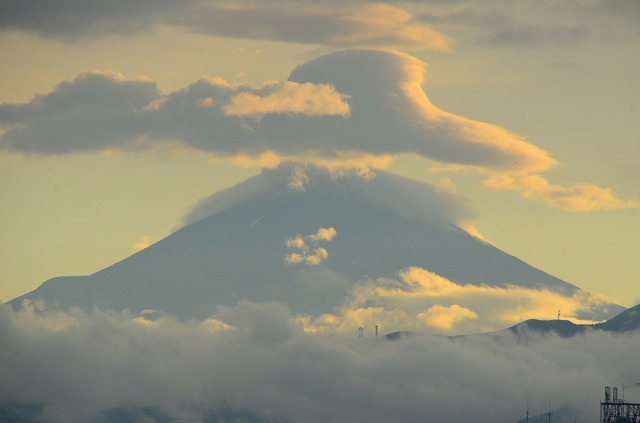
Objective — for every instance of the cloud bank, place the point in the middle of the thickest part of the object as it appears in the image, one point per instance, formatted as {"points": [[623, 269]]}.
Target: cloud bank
{"points": [[254, 363], [355, 108], [352, 102]]}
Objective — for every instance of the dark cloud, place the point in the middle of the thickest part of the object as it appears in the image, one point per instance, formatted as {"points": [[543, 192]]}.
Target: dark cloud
{"points": [[103, 110], [77, 19], [104, 367], [93, 112]]}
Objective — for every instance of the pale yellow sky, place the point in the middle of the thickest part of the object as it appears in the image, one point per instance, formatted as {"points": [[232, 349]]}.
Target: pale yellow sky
{"points": [[575, 96]]}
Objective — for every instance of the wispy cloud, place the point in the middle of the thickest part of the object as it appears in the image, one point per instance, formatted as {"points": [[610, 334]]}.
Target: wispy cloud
{"points": [[412, 199], [580, 197], [346, 25], [142, 243], [298, 179], [529, 23]]}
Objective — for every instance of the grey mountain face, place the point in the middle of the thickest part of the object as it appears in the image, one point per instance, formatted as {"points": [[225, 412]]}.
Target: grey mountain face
{"points": [[256, 241]]}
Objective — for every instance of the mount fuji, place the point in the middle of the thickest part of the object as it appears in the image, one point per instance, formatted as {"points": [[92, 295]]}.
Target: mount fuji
{"points": [[304, 236]]}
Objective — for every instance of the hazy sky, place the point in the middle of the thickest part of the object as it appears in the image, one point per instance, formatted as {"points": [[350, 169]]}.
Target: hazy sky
{"points": [[116, 119]]}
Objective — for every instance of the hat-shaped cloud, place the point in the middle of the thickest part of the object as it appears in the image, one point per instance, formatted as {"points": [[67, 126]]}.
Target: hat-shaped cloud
{"points": [[391, 114]]}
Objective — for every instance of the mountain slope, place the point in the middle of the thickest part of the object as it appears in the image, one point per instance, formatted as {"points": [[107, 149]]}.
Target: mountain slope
{"points": [[628, 320], [234, 247]]}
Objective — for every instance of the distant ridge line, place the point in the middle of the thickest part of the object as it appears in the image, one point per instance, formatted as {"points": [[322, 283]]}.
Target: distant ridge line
{"points": [[626, 321]]}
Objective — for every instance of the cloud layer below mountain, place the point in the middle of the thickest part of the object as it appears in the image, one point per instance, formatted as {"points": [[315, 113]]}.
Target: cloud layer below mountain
{"points": [[420, 300], [254, 363]]}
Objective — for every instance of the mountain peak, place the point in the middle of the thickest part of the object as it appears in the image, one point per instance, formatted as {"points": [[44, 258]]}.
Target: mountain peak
{"points": [[411, 198], [311, 238]]}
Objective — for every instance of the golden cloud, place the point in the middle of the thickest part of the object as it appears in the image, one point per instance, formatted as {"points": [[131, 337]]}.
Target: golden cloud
{"points": [[291, 98], [421, 300], [445, 318], [581, 197], [142, 243], [305, 254]]}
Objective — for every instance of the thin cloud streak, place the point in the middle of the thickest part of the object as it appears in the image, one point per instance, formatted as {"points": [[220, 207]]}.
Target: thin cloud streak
{"points": [[357, 24], [342, 25], [581, 197], [530, 23]]}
